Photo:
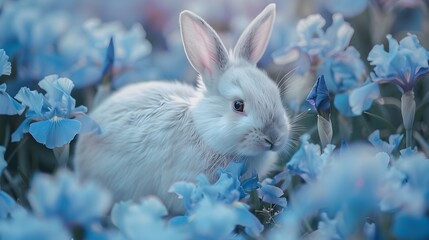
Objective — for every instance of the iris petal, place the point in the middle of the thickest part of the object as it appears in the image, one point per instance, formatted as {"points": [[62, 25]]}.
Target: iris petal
{"points": [[55, 133]]}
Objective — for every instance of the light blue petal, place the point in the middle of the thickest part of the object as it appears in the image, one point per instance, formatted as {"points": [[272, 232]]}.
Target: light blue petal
{"points": [[64, 196], [250, 222], [416, 54], [341, 102], [184, 190], [339, 33], [33, 100], [21, 130], [272, 194], [361, 98], [8, 105], [5, 66], [55, 133]]}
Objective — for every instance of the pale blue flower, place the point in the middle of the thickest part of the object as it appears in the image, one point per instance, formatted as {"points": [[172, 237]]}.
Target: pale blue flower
{"points": [[343, 70], [9, 106], [5, 66], [66, 197], [144, 220], [387, 147], [350, 183], [331, 228], [403, 64], [360, 99], [308, 161], [89, 52], [225, 192], [326, 53], [52, 119], [23, 226], [269, 193], [313, 43]]}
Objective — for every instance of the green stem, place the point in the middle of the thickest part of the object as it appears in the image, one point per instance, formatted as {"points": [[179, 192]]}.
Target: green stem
{"points": [[408, 137], [17, 148]]}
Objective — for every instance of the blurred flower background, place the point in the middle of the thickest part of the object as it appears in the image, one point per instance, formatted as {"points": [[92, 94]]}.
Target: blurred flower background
{"points": [[358, 168]]}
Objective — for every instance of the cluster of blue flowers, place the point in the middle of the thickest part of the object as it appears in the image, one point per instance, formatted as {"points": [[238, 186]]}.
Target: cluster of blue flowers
{"points": [[351, 184]]}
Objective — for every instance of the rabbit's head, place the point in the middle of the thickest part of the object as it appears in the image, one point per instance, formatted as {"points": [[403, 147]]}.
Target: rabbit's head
{"points": [[241, 112]]}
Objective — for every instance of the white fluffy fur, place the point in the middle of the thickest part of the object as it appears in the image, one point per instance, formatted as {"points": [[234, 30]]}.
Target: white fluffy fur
{"points": [[157, 133]]}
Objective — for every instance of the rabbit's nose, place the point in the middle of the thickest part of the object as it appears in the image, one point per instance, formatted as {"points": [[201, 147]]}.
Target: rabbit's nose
{"points": [[270, 142]]}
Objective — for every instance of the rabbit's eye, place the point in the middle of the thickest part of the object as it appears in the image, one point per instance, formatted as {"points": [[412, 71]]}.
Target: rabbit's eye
{"points": [[239, 105]]}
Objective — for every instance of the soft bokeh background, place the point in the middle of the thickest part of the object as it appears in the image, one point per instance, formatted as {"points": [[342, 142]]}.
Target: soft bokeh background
{"points": [[71, 39]]}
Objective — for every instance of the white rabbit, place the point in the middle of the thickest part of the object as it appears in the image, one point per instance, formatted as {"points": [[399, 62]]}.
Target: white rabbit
{"points": [[157, 133]]}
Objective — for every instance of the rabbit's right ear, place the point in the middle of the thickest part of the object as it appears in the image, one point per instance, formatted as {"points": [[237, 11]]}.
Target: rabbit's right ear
{"points": [[203, 47]]}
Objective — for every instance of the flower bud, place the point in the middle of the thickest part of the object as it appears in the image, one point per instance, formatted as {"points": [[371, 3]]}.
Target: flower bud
{"points": [[324, 127]]}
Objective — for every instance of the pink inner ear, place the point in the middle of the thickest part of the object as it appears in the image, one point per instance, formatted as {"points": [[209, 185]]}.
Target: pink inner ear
{"points": [[205, 54], [260, 39]]}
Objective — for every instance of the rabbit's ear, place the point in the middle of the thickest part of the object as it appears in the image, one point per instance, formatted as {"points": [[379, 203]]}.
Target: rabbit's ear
{"points": [[203, 47], [252, 43]]}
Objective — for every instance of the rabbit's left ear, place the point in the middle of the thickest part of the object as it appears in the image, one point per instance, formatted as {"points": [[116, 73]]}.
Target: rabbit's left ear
{"points": [[254, 40]]}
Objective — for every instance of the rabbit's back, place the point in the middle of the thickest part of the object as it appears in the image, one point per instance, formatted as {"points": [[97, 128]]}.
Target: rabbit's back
{"points": [[147, 141]]}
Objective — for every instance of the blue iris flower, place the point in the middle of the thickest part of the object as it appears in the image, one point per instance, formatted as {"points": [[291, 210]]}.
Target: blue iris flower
{"points": [[387, 147], [319, 96], [223, 195], [64, 196], [144, 220], [327, 53], [403, 64], [5, 66], [271, 194], [308, 161], [52, 119], [24, 226], [8, 105], [89, 52]]}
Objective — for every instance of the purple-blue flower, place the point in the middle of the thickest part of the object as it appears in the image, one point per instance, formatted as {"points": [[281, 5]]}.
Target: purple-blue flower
{"points": [[403, 64], [319, 96], [66, 197], [52, 119]]}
